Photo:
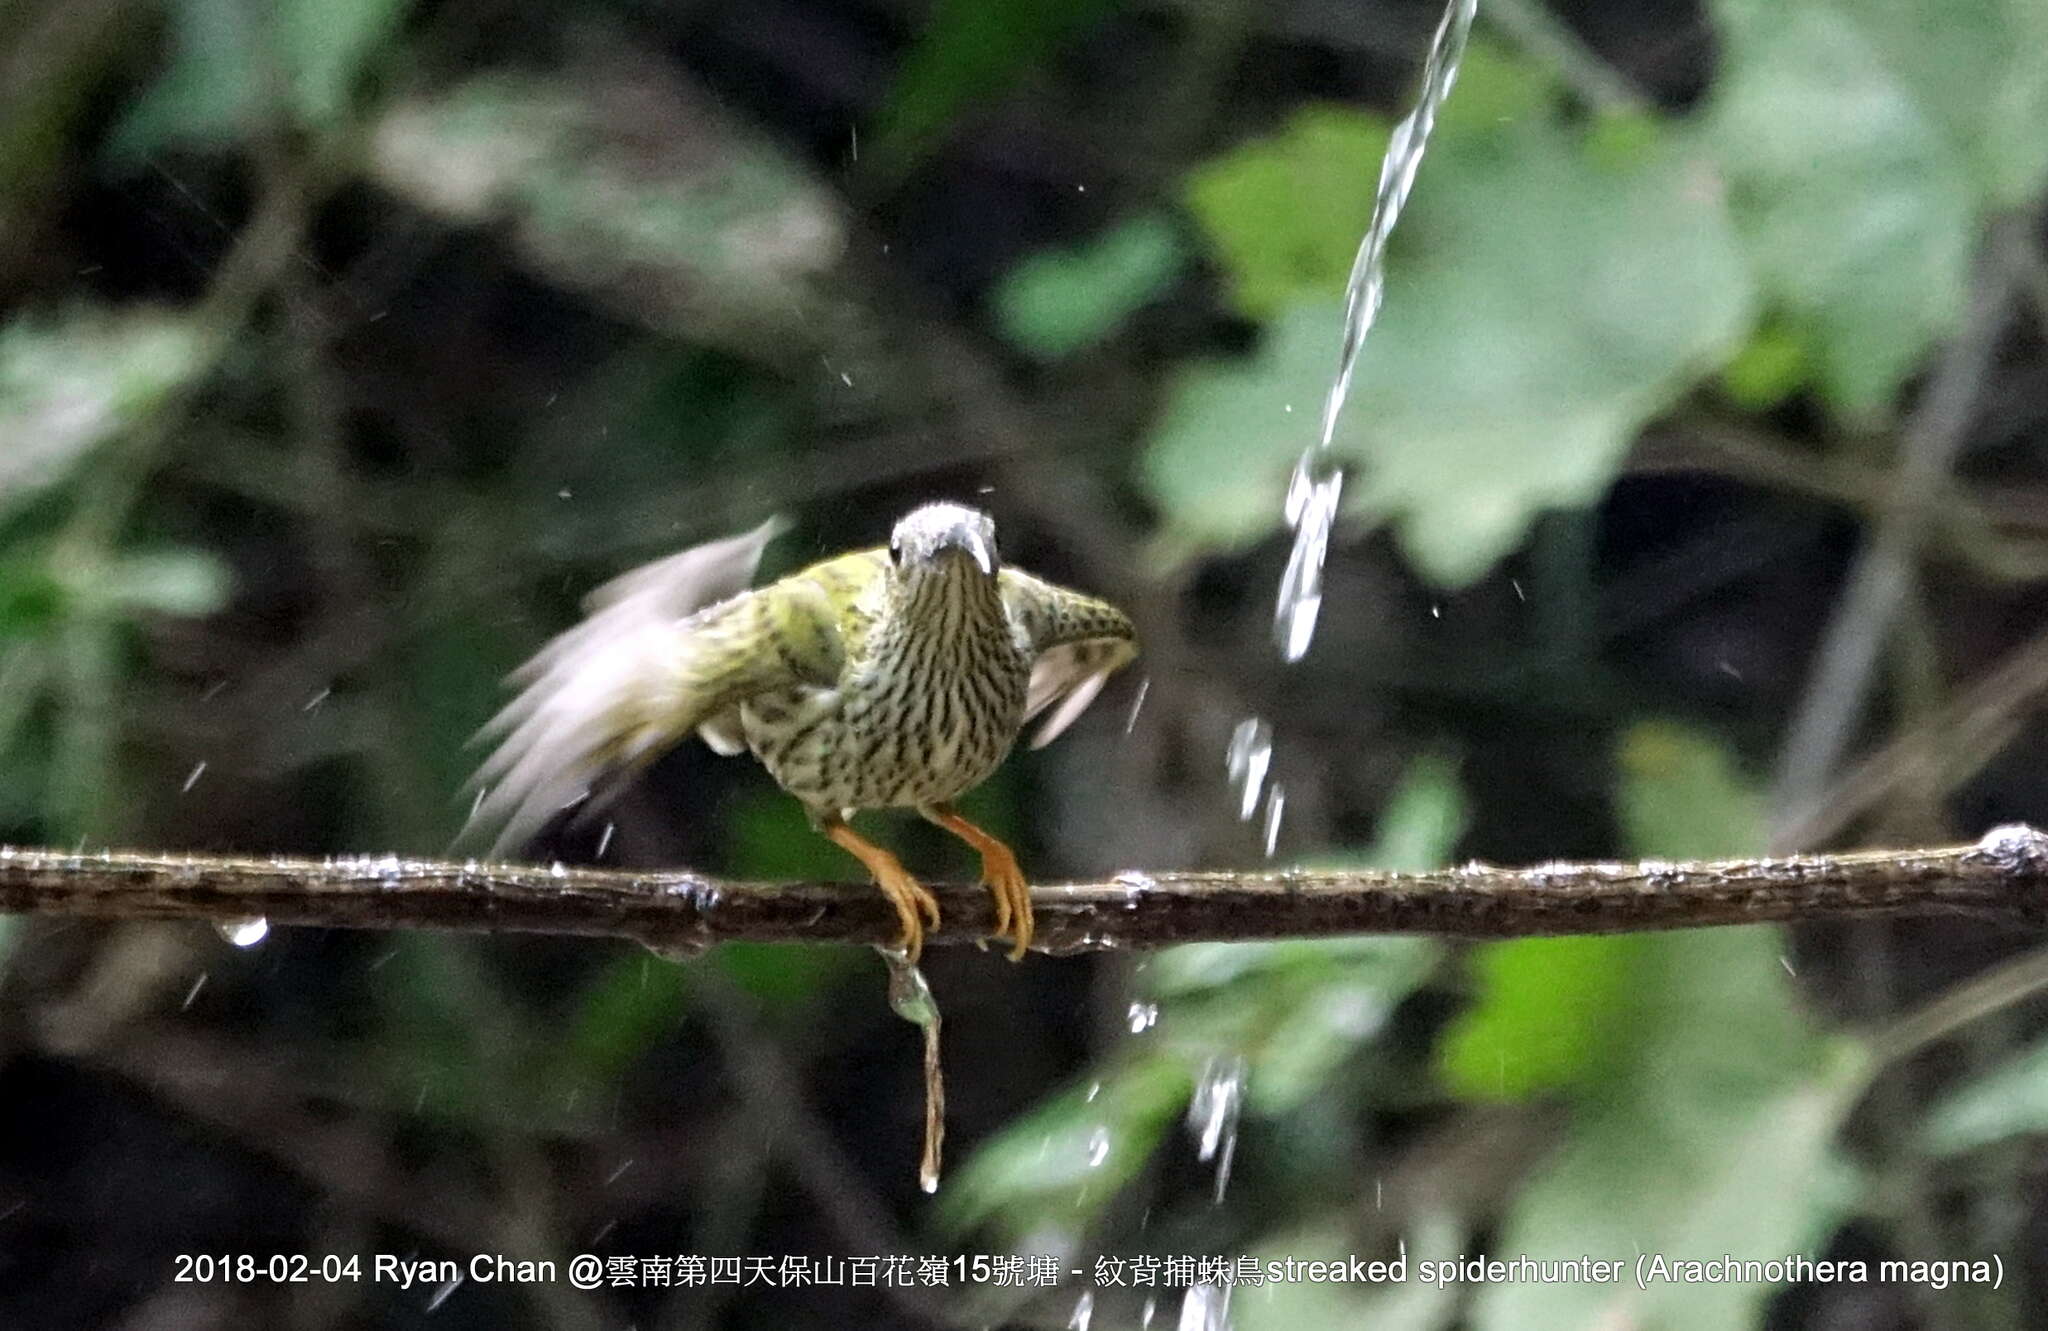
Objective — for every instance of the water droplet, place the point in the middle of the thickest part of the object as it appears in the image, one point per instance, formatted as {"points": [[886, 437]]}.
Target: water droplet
{"points": [[1098, 1147], [1213, 1114], [558, 870], [678, 952], [1148, 1312], [1084, 1311], [192, 777], [193, 992], [604, 842], [1137, 704], [1249, 756], [1276, 809], [1142, 1017], [245, 933], [314, 701], [441, 1294], [1313, 495], [1135, 886]]}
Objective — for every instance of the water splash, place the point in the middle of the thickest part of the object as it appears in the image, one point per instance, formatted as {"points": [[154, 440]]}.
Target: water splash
{"points": [[1213, 1115], [1204, 1308], [1318, 481], [1247, 760], [1142, 1017], [244, 933], [1084, 1311]]}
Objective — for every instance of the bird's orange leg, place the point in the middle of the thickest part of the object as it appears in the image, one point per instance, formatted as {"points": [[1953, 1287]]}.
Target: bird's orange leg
{"points": [[1001, 873], [914, 904]]}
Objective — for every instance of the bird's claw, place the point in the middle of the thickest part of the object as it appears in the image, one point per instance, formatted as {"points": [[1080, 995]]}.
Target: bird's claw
{"points": [[1005, 880]]}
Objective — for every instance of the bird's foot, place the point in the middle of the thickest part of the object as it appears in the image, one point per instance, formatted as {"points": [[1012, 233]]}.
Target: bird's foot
{"points": [[1000, 873], [1005, 880], [916, 907]]}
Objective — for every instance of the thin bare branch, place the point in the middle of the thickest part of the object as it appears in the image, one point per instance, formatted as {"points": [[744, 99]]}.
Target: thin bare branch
{"points": [[2001, 878]]}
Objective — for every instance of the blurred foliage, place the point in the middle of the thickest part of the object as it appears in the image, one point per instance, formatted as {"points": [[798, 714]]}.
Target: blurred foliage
{"points": [[968, 53], [1055, 304], [1863, 146], [1547, 296], [219, 80], [2007, 1101], [1706, 1102], [74, 379], [569, 287]]}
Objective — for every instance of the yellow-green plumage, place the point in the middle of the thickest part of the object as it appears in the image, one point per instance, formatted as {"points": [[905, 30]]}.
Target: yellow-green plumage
{"points": [[886, 677]]}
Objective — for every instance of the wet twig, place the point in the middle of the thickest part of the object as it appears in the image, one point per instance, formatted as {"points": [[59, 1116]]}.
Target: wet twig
{"points": [[2001, 878]]}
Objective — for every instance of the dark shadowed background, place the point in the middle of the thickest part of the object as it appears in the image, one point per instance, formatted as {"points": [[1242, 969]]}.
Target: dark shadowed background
{"points": [[1697, 505]]}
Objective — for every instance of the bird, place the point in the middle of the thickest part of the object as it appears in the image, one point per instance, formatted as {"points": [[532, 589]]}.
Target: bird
{"points": [[898, 676]]}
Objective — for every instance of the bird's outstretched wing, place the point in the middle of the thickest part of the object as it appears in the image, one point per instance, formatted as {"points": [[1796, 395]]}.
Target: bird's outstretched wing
{"points": [[1078, 641], [666, 649]]}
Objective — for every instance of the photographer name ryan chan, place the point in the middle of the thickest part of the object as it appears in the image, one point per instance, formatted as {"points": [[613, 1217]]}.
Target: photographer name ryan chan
{"points": [[484, 1268]]}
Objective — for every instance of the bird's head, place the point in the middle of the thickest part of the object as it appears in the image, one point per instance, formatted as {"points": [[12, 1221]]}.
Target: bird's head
{"points": [[944, 541]]}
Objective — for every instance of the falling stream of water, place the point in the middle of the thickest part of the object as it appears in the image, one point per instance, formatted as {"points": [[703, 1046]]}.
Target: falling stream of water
{"points": [[1314, 492]]}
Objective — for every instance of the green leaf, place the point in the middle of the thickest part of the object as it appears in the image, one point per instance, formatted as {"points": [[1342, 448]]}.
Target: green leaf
{"points": [[1285, 214], [1058, 302], [1863, 143], [2008, 1101], [1543, 301], [972, 51], [1544, 1017], [72, 380], [1774, 365], [1682, 796]]}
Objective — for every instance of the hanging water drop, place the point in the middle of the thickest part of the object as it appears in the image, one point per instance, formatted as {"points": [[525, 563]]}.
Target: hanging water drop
{"points": [[245, 932]]}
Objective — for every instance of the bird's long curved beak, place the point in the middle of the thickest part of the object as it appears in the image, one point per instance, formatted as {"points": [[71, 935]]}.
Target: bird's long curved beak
{"points": [[970, 542]]}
